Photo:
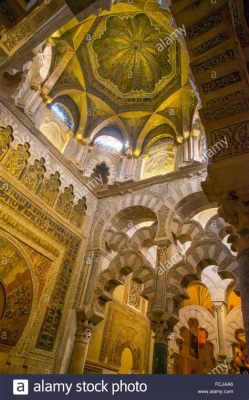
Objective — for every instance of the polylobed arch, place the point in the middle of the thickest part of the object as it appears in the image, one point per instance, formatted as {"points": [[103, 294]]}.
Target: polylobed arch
{"points": [[233, 322], [192, 204], [144, 237], [98, 159], [140, 206], [198, 257], [190, 229], [116, 240], [204, 317], [124, 263], [217, 226]]}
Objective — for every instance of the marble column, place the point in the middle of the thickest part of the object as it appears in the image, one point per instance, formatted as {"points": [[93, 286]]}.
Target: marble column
{"points": [[122, 174], [220, 310], [161, 313], [81, 343], [160, 352], [161, 269]]}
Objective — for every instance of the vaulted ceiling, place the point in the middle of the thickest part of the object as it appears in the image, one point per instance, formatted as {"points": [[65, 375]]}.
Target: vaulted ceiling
{"points": [[118, 72]]}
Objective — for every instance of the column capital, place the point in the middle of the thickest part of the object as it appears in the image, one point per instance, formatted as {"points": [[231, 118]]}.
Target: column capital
{"points": [[162, 248], [162, 325], [218, 305], [235, 211], [84, 329], [161, 331]]}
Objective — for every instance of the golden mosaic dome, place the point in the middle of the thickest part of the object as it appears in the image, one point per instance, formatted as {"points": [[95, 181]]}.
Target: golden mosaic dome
{"points": [[127, 54], [117, 72]]}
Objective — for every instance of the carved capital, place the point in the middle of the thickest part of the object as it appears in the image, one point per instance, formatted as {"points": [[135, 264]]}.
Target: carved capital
{"points": [[162, 325], [162, 249], [84, 330], [161, 331], [235, 211]]}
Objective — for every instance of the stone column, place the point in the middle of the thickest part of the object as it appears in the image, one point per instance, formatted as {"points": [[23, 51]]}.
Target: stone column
{"points": [[160, 352], [220, 309], [70, 149], [185, 149], [122, 173], [81, 343], [161, 313], [161, 269]]}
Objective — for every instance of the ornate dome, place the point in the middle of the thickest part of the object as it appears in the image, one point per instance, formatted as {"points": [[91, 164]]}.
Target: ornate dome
{"points": [[128, 57], [116, 71]]}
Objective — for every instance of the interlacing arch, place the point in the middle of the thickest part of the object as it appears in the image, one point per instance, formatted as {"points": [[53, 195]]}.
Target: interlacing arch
{"points": [[186, 202], [120, 212], [115, 241], [198, 257], [126, 262], [192, 229], [204, 317], [143, 237], [216, 226]]}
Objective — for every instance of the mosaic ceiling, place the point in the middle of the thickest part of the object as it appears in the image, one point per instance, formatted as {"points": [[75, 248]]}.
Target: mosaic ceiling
{"points": [[127, 58], [112, 69]]}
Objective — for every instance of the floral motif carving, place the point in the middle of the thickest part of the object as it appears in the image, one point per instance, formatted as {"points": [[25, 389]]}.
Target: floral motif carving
{"points": [[65, 201], [6, 138], [34, 175], [129, 44], [78, 213], [17, 159], [49, 189]]}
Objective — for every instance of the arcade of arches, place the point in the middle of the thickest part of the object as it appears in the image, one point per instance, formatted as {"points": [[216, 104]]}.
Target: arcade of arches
{"points": [[124, 218]]}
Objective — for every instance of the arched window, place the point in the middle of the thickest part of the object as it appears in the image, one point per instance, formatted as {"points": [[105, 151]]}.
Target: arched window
{"points": [[109, 143], [62, 113], [110, 138]]}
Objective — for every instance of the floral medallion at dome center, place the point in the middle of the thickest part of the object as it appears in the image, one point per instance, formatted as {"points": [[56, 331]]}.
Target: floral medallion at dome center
{"points": [[127, 54]]}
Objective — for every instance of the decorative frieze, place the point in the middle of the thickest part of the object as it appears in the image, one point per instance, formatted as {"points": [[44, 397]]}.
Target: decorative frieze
{"points": [[237, 136], [15, 162], [224, 99], [226, 111], [221, 82], [215, 61], [210, 44], [205, 25]]}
